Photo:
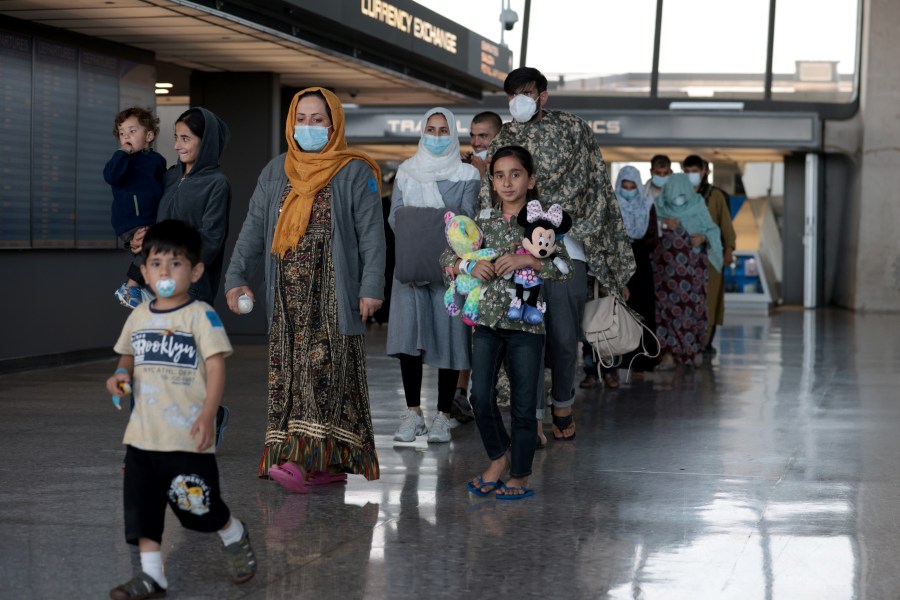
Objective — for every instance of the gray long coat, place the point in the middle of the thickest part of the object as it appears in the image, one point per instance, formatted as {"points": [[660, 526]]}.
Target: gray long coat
{"points": [[418, 323], [357, 243]]}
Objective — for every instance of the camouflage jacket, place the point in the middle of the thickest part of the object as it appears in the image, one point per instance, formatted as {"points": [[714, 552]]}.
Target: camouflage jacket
{"points": [[571, 171], [496, 295]]}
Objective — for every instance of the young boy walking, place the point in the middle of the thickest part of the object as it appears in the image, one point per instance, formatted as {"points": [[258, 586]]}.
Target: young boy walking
{"points": [[173, 352]]}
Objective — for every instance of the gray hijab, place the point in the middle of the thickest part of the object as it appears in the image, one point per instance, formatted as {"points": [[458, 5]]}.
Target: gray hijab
{"points": [[636, 211]]}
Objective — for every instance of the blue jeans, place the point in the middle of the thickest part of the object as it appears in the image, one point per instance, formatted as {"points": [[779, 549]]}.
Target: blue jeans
{"points": [[525, 352], [565, 309]]}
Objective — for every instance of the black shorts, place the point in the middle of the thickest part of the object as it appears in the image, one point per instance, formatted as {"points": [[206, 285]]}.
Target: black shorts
{"points": [[187, 481]]}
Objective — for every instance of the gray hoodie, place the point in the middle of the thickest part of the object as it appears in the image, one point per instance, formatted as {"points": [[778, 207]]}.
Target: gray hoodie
{"points": [[202, 198]]}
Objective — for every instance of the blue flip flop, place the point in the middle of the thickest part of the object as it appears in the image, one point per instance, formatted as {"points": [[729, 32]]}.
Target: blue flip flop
{"points": [[503, 495], [491, 485]]}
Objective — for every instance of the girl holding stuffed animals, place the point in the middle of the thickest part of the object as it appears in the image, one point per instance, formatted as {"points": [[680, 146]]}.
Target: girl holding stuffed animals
{"points": [[501, 331]]}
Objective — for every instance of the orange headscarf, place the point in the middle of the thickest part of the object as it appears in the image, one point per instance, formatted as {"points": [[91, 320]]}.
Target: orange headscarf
{"points": [[309, 172]]}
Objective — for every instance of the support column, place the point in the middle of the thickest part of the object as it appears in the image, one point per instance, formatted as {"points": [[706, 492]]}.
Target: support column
{"points": [[812, 232], [250, 103], [877, 273]]}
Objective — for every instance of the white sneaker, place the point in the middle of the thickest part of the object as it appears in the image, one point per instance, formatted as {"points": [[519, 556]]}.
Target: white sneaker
{"points": [[411, 425], [440, 430]]}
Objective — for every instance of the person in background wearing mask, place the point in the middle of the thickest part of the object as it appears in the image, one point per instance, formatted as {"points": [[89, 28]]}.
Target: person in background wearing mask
{"points": [[419, 328], [639, 215], [315, 223], [697, 170], [484, 128], [681, 263], [570, 171], [660, 170]]}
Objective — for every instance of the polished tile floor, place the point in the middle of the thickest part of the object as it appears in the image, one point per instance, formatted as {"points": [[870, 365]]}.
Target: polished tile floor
{"points": [[772, 473]]}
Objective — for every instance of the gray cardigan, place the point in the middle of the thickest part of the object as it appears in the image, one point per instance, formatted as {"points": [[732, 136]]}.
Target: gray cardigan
{"points": [[357, 243]]}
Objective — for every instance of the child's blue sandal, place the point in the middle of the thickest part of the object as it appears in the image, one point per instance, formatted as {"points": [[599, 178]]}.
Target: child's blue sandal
{"points": [[504, 493], [478, 489]]}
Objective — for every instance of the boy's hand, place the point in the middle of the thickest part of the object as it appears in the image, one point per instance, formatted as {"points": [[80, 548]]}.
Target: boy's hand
{"points": [[112, 384], [126, 147], [205, 426]]}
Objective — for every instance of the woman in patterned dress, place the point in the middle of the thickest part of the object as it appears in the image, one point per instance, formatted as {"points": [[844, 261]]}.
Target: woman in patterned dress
{"points": [[315, 218], [690, 244]]}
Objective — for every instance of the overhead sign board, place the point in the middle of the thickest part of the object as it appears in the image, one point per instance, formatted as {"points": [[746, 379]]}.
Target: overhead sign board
{"points": [[409, 26], [799, 131]]}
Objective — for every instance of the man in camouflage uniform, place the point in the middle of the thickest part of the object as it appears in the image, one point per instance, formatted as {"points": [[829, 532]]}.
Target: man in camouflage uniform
{"points": [[570, 171]]}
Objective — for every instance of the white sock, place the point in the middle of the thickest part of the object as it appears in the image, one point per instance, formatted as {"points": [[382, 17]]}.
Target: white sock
{"points": [[152, 565], [232, 533]]}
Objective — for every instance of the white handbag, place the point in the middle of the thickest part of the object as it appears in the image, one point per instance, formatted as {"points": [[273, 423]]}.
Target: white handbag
{"points": [[612, 329]]}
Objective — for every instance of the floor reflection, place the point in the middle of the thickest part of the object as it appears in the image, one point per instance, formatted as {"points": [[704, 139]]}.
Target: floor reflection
{"points": [[770, 472]]}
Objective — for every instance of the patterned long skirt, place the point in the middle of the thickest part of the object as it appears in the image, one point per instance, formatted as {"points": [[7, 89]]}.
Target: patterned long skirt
{"points": [[318, 398], [679, 275]]}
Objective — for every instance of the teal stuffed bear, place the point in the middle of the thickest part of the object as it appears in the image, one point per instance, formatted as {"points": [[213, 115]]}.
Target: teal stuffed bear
{"points": [[465, 238]]}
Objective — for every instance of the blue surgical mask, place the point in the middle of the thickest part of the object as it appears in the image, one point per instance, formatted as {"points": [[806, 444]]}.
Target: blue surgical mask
{"points": [[629, 194], [694, 178], [311, 138], [482, 154], [659, 181], [679, 201], [436, 144]]}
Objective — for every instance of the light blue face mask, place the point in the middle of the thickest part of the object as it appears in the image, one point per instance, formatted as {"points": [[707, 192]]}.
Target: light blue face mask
{"points": [[694, 179], [629, 194], [679, 201], [659, 181], [311, 138], [436, 144]]}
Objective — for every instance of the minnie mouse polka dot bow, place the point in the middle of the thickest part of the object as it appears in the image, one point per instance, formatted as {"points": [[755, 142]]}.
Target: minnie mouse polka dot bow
{"points": [[554, 214]]}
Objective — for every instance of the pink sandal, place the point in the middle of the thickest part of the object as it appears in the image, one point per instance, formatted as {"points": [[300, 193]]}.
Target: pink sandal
{"points": [[324, 478], [289, 476]]}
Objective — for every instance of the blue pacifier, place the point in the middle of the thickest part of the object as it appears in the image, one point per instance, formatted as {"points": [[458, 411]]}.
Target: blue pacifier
{"points": [[165, 287]]}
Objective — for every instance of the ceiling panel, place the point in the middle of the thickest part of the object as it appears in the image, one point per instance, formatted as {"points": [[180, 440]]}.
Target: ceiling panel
{"points": [[73, 10], [20, 5], [194, 39]]}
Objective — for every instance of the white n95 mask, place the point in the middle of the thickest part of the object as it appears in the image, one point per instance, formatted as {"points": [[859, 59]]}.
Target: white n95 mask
{"points": [[522, 108]]}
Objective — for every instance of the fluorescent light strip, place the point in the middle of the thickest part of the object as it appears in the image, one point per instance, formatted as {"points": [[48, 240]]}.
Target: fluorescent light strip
{"points": [[706, 106]]}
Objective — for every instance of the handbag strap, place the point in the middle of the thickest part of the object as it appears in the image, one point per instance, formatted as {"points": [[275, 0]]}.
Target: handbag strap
{"points": [[613, 362]]}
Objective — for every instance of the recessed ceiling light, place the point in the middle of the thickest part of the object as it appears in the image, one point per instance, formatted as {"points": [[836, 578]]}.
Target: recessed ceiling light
{"points": [[164, 85], [160, 91]]}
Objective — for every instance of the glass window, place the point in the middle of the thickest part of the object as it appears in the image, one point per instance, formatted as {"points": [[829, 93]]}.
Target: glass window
{"points": [[815, 48], [713, 49], [607, 53]]}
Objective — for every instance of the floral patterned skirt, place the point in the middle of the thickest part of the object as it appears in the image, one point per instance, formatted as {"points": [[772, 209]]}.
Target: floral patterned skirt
{"points": [[679, 276], [318, 415]]}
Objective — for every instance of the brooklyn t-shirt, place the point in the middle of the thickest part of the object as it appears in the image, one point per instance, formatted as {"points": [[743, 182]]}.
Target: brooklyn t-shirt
{"points": [[170, 348]]}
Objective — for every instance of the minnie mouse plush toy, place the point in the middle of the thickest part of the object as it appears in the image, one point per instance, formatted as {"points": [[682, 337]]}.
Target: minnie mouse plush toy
{"points": [[541, 229]]}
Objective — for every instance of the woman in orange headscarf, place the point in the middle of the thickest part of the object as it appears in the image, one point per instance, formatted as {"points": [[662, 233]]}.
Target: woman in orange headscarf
{"points": [[316, 220]]}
